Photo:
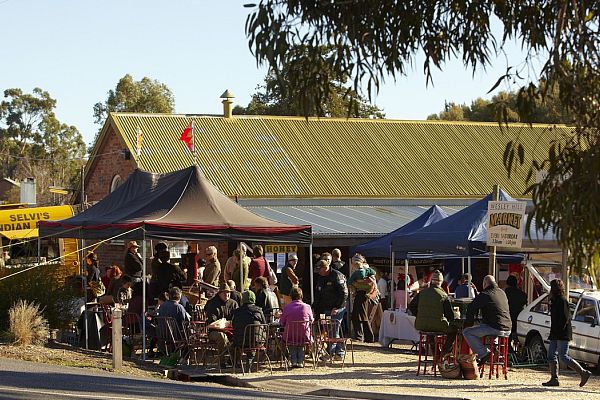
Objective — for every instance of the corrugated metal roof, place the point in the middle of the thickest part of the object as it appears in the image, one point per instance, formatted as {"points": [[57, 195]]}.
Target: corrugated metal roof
{"points": [[295, 157], [347, 220]]}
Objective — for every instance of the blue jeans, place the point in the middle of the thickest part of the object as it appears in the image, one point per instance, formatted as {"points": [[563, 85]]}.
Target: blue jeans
{"points": [[338, 348], [559, 350], [474, 334], [296, 354]]}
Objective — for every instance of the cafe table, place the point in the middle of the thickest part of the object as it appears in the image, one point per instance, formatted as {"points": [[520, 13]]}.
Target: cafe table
{"points": [[397, 325]]}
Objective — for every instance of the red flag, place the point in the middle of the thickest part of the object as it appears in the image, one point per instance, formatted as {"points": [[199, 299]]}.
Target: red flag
{"points": [[188, 136]]}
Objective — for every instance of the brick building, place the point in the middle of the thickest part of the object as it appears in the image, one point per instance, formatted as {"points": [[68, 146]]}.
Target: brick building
{"points": [[351, 179]]}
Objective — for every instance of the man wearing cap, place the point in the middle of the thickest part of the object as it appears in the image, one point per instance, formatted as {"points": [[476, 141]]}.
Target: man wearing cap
{"points": [[133, 263], [330, 299], [288, 280], [212, 270], [433, 311], [220, 307]]}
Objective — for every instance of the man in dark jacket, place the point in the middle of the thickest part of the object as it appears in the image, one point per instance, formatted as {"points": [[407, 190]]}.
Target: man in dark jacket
{"points": [[133, 264], [330, 299], [248, 314], [517, 299], [433, 311], [495, 318], [168, 273], [266, 299]]}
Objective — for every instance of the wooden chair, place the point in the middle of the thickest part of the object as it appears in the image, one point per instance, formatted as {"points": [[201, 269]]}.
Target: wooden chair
{"points": [[299, 334], [330, 333], [256, 340], [107, 318], [169, 338], [132, 330]]}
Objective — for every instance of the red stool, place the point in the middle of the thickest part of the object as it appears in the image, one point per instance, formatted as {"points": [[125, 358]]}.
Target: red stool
{"points": [[438, 344], [498, 355]]}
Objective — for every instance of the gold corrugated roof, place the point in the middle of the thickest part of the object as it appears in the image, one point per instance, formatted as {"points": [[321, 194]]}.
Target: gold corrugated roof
{"points": [[322, 157]]}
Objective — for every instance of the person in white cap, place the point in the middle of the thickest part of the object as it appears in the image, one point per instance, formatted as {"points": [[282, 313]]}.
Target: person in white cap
{"points": [[288, 280], [433, 311]]}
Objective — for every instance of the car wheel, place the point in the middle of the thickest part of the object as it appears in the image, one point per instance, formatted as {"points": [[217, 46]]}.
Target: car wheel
{"points": [[536, 349]]}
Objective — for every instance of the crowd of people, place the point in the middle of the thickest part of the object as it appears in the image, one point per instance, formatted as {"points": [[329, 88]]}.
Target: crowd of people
{"points": [[248, 291]]}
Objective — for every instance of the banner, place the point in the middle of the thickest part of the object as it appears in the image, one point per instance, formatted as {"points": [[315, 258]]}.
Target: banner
{"points": [[505, 223]]}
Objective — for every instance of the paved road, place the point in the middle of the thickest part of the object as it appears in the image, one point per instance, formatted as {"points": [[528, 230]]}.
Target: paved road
{"points": [[27, 380]]}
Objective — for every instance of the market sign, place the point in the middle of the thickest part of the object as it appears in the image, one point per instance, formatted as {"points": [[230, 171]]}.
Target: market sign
{"points": [[505, 223], [281, 248]]}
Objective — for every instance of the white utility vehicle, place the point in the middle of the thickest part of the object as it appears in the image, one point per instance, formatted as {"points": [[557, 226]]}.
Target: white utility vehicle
{"points": [[533, 323]]}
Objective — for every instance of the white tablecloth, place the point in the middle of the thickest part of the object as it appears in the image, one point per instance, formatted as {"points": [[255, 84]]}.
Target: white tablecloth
{"points": [[397, 325]]}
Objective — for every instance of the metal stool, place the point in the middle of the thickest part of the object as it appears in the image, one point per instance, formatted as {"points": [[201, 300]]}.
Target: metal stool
{"points": [[498, 355], [438, 344]]}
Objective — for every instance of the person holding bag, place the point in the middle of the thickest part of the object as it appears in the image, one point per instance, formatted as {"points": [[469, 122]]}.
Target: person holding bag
{"points": [[561, 333]]}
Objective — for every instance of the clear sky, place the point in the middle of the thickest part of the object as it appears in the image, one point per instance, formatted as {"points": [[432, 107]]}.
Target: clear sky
{"points": [[77, 50]]}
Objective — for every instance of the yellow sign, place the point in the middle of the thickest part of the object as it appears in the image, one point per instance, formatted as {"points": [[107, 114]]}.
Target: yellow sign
{"points": [[20, 223], [281, 248]]}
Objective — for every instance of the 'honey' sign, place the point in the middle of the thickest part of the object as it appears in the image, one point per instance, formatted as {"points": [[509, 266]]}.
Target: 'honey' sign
{"points": [[281, 248]]}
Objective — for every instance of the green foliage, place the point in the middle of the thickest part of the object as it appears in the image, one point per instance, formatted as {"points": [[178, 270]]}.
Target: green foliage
{"points": [[371, 40], [144, 96], [38, 286], [33, 143], [505, 107], [274, 97]]}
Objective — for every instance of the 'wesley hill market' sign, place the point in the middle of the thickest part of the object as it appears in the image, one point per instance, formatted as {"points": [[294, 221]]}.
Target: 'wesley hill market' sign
{"points": [[505, 223]]}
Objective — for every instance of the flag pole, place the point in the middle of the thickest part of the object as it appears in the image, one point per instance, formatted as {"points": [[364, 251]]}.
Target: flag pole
{"points": [[194, 145]]}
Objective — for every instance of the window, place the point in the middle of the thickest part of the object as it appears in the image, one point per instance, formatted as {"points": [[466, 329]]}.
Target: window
{"points": [[115, 183], [586, 312], [542, 307]]}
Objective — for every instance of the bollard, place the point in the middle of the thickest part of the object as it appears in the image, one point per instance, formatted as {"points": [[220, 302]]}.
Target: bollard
{"points": [[117, 338]]}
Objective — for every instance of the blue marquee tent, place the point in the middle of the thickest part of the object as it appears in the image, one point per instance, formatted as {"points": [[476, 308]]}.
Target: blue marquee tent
{"points": [[380, 247], [463, 233]]}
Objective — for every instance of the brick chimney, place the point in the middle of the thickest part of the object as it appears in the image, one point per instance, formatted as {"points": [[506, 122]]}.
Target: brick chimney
{"points": [[227, 109]]}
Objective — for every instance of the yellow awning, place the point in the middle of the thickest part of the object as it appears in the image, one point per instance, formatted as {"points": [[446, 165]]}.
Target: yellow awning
{"points": [[20, 234], [21, 223]]}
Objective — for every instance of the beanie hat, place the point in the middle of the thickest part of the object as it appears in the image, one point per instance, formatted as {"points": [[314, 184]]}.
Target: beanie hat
{"points": [[437, 278], [248, 297]]}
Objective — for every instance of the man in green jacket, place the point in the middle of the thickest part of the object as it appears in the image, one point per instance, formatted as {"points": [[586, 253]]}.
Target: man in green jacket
{"points": [[433, 311]]}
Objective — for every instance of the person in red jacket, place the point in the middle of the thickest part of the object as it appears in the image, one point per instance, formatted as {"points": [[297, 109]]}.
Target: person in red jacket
{"points": [[258, 266]]}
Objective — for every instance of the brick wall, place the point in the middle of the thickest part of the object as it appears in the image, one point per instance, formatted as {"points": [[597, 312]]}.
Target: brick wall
{"points": [[109, 163]]}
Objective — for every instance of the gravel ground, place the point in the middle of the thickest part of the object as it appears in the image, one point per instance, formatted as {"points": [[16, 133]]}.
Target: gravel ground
{"points": [[375, 370], [393, 371]]}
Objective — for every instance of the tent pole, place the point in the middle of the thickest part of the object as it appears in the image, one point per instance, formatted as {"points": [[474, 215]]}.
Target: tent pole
{"points": [[394, 285], [82, 271], [242, 283], [406, 281], [39, 249], [462, 265], [144, 296], [492, 268], [470, 275], [310, 274]]}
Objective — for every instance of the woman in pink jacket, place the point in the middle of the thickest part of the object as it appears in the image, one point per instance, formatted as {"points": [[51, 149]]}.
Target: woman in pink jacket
{"points": [[297, 335]]}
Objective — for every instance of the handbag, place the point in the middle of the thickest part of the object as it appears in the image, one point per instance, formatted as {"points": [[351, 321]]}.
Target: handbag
{"points": [[450, 370], [272, 276]]}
